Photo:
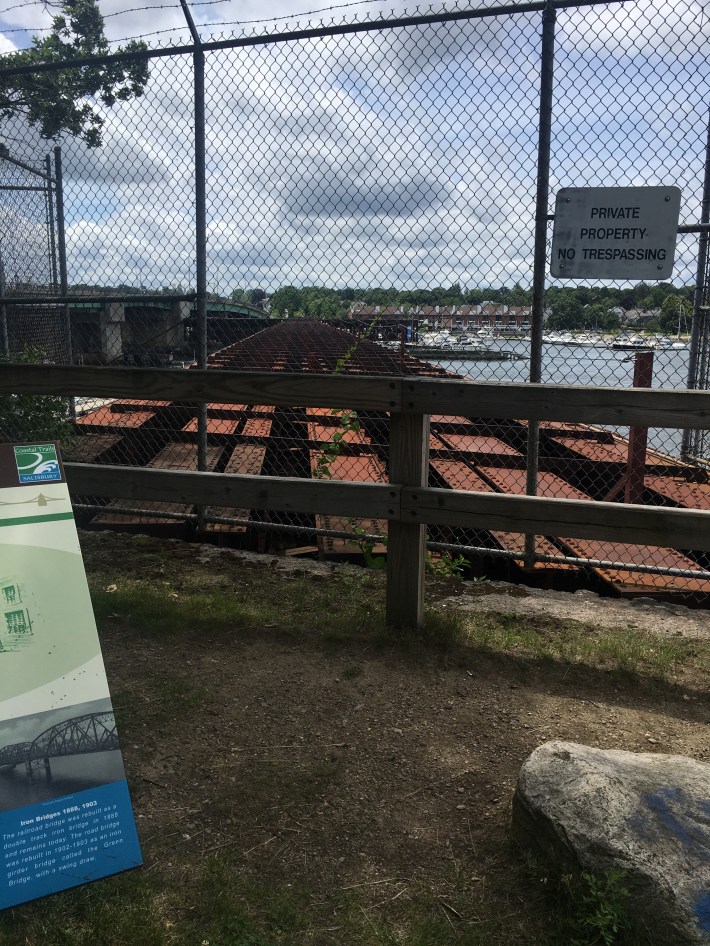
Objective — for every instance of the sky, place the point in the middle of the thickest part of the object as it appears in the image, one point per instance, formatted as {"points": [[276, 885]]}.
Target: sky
{"points": [[404, 158], [27, 728]]}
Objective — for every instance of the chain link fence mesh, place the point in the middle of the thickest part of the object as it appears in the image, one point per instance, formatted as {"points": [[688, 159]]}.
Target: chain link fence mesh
{"points": [[28, 263], [371, 208]]}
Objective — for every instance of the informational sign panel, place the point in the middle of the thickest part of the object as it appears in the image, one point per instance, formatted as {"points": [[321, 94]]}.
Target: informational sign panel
{"points": [[615, 232], [65, 812]]}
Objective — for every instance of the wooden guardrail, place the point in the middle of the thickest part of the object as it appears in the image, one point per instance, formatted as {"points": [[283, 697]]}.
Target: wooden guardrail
{"points": [[619, 406], [407, 502]]}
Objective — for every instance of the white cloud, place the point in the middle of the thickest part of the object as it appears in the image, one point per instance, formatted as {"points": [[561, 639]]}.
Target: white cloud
{"points": [[660, 28], [403, 157]]}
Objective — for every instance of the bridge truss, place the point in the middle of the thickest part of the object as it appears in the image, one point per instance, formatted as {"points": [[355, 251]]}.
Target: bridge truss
{"points": [[80, 735]]}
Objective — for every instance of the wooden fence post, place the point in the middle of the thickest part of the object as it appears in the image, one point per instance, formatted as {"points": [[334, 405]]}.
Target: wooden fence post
{"points": [[408, 466], [638, 436]]}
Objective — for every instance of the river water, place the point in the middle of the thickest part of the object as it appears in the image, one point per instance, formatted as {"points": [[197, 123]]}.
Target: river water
{"points": [[577, 364], [70, 774]]}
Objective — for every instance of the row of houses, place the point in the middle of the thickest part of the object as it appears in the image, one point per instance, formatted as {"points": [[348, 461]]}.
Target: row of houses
{"points": [[481, 315], [484, 314]]}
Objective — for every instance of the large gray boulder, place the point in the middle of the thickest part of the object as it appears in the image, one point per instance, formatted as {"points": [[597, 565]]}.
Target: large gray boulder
{"points": [[647, 814]]}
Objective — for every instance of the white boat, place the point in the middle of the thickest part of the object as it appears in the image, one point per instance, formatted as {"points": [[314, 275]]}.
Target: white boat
{"points": [[425, 340], [634, 343], [558, 338], [663, 342], [589, 340], [466, 343]]}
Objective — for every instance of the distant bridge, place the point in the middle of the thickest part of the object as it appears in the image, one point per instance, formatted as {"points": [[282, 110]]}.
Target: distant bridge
{"points": [[93, 732], [14, 755]]}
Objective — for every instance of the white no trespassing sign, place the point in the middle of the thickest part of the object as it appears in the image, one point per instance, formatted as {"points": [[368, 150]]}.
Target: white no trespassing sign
{"points": [[615, 232]]}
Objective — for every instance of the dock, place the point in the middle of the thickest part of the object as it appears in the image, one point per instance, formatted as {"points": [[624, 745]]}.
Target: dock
{"points": [[463, 354]]}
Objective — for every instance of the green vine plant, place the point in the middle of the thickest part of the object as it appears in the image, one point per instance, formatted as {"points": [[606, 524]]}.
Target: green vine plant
{"points": [[348, 420], [444, 565], [366, 544]]}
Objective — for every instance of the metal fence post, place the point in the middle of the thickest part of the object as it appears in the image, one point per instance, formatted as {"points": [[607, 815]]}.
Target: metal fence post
{"points": [[50, 222], [638, 436], [198, 64], [698, 332], [547, 63], [201, 247], [61, 241], [62, 248], [3, 311]]}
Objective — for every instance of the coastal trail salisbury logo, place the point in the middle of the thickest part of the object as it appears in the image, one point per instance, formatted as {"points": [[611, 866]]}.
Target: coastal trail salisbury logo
{"points": [[37, 463]]}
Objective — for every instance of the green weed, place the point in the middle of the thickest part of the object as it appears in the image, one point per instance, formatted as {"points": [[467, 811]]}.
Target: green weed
{"points": [[602, 911], [446, 565]]}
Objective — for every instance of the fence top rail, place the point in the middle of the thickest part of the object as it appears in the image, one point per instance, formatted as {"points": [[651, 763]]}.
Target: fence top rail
{"points": [[366, 26], [410, 395], [28, 167], [129, 299]]}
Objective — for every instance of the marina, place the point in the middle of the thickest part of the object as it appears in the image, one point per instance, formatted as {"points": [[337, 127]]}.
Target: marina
{"points": [[566, 362]]}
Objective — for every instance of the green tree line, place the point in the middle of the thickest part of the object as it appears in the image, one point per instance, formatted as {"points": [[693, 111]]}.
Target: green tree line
{"points": [[568, 308]]}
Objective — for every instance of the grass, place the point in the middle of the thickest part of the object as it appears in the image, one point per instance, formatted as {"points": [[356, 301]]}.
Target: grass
{"points": [[219, 906], [572, 642], [213, 903], [162, 612], [165, 698], [303, 608], [295, 605], [122, 911], [187, 896]]}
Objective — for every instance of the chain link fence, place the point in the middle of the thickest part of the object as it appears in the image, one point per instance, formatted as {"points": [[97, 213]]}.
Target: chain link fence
{"points": [[28, 263], [377, 194]]}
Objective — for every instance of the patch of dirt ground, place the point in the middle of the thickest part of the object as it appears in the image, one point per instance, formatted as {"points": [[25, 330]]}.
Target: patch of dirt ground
{"points": [[352, 766], [641, 614]]}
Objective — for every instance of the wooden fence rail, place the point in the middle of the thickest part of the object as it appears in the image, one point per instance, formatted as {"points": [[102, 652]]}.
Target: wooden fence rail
{"points": [[619, 406], [406, 502]]}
